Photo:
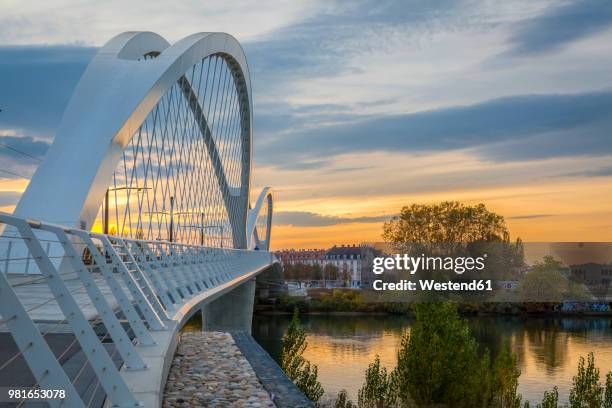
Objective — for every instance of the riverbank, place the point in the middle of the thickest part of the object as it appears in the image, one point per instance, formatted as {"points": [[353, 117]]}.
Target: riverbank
{"points": [[350, 302]]}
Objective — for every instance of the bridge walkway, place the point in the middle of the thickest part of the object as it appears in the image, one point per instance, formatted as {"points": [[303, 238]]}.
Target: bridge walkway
{"points": [[123, 302]]}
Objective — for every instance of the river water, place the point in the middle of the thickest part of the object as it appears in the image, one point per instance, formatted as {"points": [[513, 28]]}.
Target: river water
{"points": [[547, 348]]}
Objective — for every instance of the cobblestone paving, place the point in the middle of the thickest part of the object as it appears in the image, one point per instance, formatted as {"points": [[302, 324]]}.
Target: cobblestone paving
{"points": [[208, 370], [272, 377]]}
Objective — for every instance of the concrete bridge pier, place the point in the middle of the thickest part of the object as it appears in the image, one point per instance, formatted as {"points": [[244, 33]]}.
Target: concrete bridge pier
{"points": [[231, 312]]}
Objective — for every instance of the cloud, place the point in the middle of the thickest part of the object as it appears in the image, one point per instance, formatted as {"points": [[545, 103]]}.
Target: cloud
{"points": [[305, 165], [509, 128], [67, 21], [20, 155], [321, 44], [9, 198], [559, 27], [309, 219], [529, 216], [36, 83], [602, 172], [32, 149]]}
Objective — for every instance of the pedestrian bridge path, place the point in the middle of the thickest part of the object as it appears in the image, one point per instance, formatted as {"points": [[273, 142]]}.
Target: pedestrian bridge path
{"points": [[122, 301]]}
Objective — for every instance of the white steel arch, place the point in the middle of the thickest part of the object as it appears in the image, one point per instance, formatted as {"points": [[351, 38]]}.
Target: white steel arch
{"points": [[119, 88], [259, 227], [140, 290]]}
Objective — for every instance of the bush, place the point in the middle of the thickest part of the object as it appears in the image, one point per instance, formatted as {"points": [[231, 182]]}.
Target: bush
{"points": [[551, 399], [439, 364], [586, 391], [297, 368], [438, 361], [377, 392], [342, 401]]}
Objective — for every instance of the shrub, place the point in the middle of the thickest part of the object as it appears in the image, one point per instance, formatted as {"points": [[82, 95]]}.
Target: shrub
{"points": [[297, 368]]}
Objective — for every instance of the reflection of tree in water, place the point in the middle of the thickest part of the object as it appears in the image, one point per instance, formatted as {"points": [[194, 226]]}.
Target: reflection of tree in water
{"points": [[354, 326], [545, 339], [548, 341], [496, 332], [268, 330]]}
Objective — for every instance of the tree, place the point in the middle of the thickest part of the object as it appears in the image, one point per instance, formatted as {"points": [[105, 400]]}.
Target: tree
{"points": [[301, 272], [297, 368], [551, 399], [342, 400], [437, 352], [608, 392], [586, 391], [346, 277], [377, 392], [288, 272], [317, 272], [544, 283], [330, 272], [505, 380], [446, 222]]}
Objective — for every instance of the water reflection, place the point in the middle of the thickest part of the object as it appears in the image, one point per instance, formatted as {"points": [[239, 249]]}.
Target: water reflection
{"points": [[547, 348]]}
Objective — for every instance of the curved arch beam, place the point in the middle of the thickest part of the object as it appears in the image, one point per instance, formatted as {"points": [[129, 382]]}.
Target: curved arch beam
{"points": [[266, 196], [114, 96]]}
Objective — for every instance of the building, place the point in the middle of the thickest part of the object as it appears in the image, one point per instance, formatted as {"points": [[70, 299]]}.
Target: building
{"points": [[301, 256], [592, 274], [348, 259], [368, 253], [352, 261]]}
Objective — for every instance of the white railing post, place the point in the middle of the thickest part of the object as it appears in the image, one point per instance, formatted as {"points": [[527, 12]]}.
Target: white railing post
{"points": [[141, 260], [141, 279], [98, 357], [169, 279], [111, 323], [140, 330], [42, 362], [145, 306]]}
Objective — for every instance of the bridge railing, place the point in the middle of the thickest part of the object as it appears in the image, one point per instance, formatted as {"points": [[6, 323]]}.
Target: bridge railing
{"points": [[94, 305]]}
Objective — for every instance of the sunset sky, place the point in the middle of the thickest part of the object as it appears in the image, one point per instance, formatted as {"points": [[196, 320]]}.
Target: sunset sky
{"points": [[363, 107]]}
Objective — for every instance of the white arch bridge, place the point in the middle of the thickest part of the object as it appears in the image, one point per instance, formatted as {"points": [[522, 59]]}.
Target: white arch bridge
{"points": [[139, 217]]}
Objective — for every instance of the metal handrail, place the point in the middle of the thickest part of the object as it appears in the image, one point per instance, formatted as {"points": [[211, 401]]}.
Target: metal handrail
{"points": [[142, 281]]}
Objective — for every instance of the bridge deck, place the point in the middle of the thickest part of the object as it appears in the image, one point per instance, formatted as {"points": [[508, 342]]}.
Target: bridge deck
{"points": [[94, 292], [42, 307]]}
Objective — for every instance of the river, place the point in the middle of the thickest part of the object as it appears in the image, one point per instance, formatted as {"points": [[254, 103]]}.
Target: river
{"points": [[548, 348]]}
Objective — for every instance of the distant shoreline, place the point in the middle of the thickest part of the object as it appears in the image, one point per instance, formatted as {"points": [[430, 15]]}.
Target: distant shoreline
{"points": [[277, 312]]}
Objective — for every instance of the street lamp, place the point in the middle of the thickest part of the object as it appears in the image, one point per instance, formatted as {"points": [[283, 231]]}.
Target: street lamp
{"points": [[106, 200], [171, 213], [202, 227]]}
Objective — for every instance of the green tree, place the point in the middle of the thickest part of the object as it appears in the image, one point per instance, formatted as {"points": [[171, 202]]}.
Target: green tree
{"points": [[550, 400], [330, 272], [446, 222], [438, 361], [317, 272], [298, 369], [586, 390], [288, 272], [544, 283], [453, 229], [505, 381], [608, 392], [377, 392], [343, 401], [346, 277]]}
